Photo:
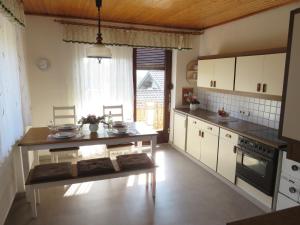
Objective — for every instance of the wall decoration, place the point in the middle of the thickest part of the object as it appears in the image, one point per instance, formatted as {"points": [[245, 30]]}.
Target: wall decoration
{"points": [[186, 93]]}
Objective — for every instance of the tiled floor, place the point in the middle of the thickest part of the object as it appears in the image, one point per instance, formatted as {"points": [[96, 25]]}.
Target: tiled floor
{"points": [[186, 195]]}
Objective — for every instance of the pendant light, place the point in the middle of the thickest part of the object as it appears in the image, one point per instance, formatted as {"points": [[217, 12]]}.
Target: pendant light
{"points": [[99, 50]]}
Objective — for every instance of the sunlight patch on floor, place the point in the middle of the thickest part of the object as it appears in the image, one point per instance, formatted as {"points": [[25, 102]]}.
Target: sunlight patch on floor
{"points": [[160, 172], [79, 189]]}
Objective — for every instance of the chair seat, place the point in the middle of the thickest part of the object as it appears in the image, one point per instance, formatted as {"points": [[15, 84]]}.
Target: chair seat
{"points": [[134, 161], [51, 172], [95, 167], [119, 145], [64, 149]]}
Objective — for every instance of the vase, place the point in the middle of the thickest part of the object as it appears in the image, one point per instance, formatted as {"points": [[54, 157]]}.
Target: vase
{"points": [[93, 128], [194, 106]]}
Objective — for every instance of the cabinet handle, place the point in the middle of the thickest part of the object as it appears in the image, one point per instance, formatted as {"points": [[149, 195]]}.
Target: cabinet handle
{"points": [[215, 83], [234, 149], [292, 190], [295, 168], [264, 89], [228, 135], [202, 134], [211, 83], [258, 87], [199, 133]]}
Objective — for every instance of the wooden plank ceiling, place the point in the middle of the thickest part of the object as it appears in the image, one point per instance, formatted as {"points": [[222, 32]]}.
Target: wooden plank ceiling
{"points": [[195, 14]]}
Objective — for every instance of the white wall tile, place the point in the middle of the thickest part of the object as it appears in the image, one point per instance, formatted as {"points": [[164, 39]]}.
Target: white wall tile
{"points": [[262, 111]]}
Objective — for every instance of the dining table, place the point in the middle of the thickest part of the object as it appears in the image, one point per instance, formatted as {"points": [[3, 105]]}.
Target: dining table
{"points": [[43, 138]]}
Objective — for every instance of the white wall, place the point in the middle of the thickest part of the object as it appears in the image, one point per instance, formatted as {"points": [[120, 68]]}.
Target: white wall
{"points": [[264, 30], [180, 59], [15, 111], [53, 86]]}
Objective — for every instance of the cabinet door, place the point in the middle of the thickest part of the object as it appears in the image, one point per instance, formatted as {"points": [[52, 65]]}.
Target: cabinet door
{"points": [[284, 202], [179, 130], [209, 147], [227, 154], [224, 73], [193, 138], [205, 73], [290, 119], [249, 71], [273, 73]]}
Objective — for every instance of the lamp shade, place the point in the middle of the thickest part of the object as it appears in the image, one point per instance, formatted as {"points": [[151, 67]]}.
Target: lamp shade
{"points": [[98, 51]]}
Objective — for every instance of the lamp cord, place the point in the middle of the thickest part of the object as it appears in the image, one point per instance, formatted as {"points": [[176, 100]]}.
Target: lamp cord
{"points": [[99, 35]]}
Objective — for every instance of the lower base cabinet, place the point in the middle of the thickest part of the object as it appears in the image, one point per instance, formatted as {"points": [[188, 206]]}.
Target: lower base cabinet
{"points": [[209, 145], [227, 154], [284, 202], [179, 130], [193, 142]]}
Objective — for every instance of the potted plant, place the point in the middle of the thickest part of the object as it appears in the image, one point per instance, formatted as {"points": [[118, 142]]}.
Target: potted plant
{"points": [[194, 103], [93, 122]]}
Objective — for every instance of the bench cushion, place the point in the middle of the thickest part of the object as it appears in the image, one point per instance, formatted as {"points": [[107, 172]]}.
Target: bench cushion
{"points": [[95, 167], [51, 172], [119, 145], [64, 149], [134, 161]]}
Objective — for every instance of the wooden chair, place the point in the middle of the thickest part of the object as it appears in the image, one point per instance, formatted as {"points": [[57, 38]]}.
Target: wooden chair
{"points": [[116, 112], [63, 113]]}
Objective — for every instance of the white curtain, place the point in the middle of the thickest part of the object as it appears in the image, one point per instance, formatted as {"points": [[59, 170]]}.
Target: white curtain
{"points": [[13, 86], [107, 83]]}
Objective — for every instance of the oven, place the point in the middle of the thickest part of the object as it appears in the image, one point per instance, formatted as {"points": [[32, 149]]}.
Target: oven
{"points": [[257, 164]]}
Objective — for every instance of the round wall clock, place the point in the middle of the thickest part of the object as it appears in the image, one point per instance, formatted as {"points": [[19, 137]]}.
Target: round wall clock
{"points": [[43, 63]]}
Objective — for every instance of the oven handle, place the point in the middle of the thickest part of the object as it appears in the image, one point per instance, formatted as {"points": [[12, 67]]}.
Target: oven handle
{"points": [[252, 154]]}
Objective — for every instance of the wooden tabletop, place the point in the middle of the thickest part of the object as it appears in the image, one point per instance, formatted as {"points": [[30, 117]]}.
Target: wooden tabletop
{"points": [[289, 216], [40, 135]]}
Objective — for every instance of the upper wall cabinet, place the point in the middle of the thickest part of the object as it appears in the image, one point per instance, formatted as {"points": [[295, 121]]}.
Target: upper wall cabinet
{"points": [[260, 73], [216, 73]]}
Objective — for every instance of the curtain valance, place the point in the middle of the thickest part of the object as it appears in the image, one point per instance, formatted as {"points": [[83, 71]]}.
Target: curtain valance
{"points": [[123, 37], [14, 10]]}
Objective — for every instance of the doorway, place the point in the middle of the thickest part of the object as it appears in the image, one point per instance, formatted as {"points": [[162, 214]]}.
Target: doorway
{"points": [[152, 86]]}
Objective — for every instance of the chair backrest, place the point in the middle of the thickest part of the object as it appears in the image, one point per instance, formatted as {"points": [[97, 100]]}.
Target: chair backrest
{"points": [[64, 113], [116, 111]]}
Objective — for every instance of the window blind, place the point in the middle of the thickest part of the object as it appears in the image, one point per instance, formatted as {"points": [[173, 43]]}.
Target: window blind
{"points": [[150, 59]]}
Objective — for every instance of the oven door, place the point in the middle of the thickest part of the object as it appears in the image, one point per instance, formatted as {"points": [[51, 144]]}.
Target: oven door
{"points": [[255, 169]]}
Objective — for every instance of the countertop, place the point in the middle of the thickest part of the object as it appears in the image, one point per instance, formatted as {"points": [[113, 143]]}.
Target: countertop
{"points": [[289, 216], [254, 131]]}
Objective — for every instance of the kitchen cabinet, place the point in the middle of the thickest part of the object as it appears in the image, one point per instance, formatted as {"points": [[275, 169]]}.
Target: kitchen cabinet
{"points": [[216, 73], [209, 144], [290, 123], [284, 202], [261, 74], [205, 73], [273, 73], [179, 130], [193, 144], [227, 154]]}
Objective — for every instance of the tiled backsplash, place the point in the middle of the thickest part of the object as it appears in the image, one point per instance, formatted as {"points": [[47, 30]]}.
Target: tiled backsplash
{"points": [[260, 111]]}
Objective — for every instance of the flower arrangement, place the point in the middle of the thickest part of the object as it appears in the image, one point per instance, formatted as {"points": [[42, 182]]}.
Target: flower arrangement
{"points": [[91, 119], [192, 99]]}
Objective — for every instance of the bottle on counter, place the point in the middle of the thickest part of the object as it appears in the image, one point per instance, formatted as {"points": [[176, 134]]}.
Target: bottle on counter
{"points": [[109, 120]]}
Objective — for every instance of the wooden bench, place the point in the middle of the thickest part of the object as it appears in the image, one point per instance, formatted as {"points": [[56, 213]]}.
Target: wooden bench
{"points": [[58, 174]]}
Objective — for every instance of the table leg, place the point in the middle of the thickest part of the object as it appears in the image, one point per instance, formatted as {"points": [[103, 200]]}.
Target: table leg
{"points": [[36, 160], [153, 154], [38, 197], [25, 165], [147, 181], [32, 195]]}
